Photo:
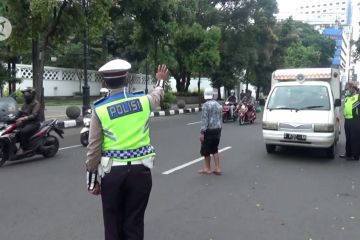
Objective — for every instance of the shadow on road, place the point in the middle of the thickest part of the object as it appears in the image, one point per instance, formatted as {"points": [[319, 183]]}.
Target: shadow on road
{"points": [[37, 158], [315, 155]]}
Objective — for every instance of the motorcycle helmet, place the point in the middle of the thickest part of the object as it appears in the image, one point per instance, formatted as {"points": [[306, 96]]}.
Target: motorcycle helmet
{"points": [[29, 94], [104, 92]]}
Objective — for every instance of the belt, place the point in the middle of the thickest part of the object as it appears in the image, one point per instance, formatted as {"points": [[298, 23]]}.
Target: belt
{"points": [[123, 163]]}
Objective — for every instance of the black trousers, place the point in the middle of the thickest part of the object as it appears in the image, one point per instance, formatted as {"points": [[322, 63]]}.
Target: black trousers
{"points": [[352, 134], [125, 193], [26, 132]]}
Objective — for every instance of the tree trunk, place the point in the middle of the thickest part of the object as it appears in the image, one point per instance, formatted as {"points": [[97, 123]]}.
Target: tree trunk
{"points": [[13, 74], [104, 46], [199, 90], [155, 56], [219, 94], [38, 72], [179, 85], [187, 81], [257, 92]]}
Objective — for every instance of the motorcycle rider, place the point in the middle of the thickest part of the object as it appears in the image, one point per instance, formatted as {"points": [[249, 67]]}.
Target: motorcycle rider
{"points": [[232, 99], [28, 118], [248, 99], [104, 92]]}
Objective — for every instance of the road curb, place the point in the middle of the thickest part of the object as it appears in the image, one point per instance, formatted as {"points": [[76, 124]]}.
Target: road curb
{"points": [[171, 112]]}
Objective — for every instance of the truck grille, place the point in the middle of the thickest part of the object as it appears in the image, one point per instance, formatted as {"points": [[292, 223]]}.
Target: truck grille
{"points": [[295, 127]]}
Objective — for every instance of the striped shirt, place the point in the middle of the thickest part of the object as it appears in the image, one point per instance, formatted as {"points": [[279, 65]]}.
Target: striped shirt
{"points": [[211, 115]]}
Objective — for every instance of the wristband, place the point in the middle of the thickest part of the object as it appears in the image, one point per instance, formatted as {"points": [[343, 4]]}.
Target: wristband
{"points": [[91, 180], [160, 83]]}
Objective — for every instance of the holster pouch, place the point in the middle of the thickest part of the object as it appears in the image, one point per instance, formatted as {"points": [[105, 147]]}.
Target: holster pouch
{"points": [[104, 166], [148, 162]]}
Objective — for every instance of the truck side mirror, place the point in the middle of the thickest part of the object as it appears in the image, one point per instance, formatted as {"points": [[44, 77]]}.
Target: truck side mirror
{"points": [[337, 102]]}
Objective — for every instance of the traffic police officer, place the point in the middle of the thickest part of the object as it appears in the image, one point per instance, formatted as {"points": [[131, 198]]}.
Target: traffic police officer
{"points": [[119, 136], [352, 123]]}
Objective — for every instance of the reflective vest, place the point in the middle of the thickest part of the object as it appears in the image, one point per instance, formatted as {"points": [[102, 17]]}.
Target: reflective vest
{"points": [[125, 126], [351, 107]]}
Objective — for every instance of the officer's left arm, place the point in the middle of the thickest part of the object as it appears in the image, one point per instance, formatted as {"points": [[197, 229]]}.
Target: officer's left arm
{"points": [[94, 151]]}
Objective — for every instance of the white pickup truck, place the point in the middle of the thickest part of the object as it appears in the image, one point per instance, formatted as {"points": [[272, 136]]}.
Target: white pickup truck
{"points": [[303, 109]]}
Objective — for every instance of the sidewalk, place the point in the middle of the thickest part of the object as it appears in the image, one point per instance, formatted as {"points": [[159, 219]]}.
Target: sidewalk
{"points": [[59, 113]]}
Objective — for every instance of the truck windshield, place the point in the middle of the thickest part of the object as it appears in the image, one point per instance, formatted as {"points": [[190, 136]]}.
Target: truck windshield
{"points": [[299, 97]]}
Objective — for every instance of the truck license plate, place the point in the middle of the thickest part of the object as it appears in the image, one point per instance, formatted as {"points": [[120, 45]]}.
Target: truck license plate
{"points": [[298, 137]]}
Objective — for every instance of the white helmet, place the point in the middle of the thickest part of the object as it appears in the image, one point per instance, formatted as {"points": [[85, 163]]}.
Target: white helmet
{"points": [[232, 92], [104, 92], [208, 93]]}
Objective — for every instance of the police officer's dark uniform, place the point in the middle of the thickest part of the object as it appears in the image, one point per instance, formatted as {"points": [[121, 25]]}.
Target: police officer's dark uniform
{"points": [[122, 121], [352, 125]]}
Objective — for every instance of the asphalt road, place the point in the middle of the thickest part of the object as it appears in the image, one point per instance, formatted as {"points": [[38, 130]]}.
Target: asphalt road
{"points": [[295, 194]]}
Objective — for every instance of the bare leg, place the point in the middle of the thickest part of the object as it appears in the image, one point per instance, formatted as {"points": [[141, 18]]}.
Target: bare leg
{"points": [[207, 162], [207, 167], [217, 163]]}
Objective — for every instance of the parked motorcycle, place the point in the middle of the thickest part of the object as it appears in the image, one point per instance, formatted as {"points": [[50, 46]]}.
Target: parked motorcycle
{"points": [[246, 113], [226, 116], [42, 142], [84, 133]]}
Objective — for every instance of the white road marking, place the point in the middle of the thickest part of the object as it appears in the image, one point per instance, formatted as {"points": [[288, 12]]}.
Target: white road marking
{"points": [[75, 146], [191, 162], [193, 123]]}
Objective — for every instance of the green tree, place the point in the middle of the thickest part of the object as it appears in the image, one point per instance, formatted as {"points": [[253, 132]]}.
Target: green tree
{"points": [[299, 56], [50, 22], [356, 53], [292, 34]]}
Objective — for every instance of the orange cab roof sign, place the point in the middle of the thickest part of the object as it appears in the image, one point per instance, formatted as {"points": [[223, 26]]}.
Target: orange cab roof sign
{"points": [[309, 73]]}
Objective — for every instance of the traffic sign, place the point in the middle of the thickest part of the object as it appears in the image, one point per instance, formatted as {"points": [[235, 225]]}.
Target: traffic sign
{"points": [[5, 28]]}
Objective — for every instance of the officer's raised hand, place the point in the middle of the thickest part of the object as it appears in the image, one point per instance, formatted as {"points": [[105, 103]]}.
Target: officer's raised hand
{"points": [[162, 73]]}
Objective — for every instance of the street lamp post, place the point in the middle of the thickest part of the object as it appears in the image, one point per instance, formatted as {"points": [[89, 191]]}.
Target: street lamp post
{"points": [[86, 88], [146, 76]]}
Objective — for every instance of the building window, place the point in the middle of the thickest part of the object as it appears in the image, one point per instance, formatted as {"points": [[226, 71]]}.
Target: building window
{"points": [[307, 7], [325, 4], [330, 4], [307, 13], [324, 10], [313, 12], [301, 7], [343, 9], [318, 11]]}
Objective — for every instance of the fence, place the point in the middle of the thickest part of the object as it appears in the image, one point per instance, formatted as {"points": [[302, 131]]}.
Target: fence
{"points": [[68, 82]]}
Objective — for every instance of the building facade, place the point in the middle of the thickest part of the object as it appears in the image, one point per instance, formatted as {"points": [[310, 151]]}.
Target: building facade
{"points": [[325, 13], [335, 19]]}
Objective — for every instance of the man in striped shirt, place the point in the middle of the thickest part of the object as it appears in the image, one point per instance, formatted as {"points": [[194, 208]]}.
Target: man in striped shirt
{"points": [[210, 132]]}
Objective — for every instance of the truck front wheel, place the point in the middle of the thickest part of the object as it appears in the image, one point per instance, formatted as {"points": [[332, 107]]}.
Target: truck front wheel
{"points": [[330, 152], [270, 148]]}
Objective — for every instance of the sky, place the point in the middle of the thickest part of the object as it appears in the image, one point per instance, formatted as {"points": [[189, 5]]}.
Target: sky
{"points": [[286, 7]]}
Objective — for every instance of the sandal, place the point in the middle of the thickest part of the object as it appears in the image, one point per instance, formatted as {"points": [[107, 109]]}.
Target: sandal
{"points": [[204, 171], [217, 172]]}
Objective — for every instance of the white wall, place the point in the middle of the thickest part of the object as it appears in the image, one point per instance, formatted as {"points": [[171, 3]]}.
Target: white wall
{"points": [[56, 88], [63, 82]]}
